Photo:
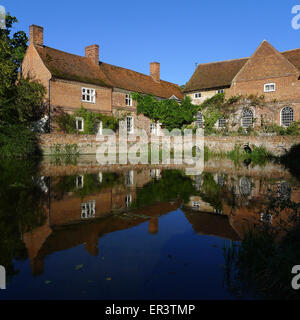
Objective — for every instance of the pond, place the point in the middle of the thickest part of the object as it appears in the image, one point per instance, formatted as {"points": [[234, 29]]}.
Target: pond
{"points": [[82, 231]]}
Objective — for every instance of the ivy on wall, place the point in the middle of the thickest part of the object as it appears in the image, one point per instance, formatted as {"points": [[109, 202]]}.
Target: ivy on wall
{"points": [[67, 122]]}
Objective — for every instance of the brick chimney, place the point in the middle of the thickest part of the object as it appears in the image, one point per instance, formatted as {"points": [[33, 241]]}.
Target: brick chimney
{"points": [[36, 35], [155, 70], [92, 52]]}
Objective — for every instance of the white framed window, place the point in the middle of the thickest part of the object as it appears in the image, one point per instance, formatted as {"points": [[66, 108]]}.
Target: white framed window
{"points": [[129, 122], [199, 120], [79, 124], [79, 182], [270, 87], [128, 100], [286, 116], [197, 95], [88, 95], [128, 200], [222, 122], [220, 90], [88, 210], [247, 118]]}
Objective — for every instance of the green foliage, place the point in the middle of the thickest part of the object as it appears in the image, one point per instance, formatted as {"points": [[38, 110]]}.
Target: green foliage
{"points": [[67, 122], [21, 101], [21, 210], [17, 141], [170, 113], [292, 130], [173, 185]]}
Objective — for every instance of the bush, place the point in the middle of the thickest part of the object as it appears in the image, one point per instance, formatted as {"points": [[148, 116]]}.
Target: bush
{"points": [[18, 141]]}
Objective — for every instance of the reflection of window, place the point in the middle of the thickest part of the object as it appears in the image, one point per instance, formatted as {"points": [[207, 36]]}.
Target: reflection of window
{"points": [[245, 186], [88, 95], [129, 122], [247, 118], [128, 200], [218, 211], [196, 205], [88, 209], [152, 128], [284, 191], [100, 177], [152, 173], [199, 120], [286, 116], [220, 180], [79, 182], [129, 178], [265, 217], [100, 127], [79, 124]]}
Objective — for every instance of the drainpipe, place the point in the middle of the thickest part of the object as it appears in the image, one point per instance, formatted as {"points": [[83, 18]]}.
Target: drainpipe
{"points": [[49, 111]]}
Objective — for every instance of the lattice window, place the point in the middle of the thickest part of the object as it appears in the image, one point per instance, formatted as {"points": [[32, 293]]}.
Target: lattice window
{"points": [[245, 186], [199, 120], [247, 118], [284, 191], [222, 122], [287, 116], [128, 100], [88, 209], [88, 95]]}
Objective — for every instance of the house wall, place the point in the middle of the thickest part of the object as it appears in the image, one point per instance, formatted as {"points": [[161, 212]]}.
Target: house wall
{"points": [[206, 94], [34, 68], [68, 94], [287, 89]]}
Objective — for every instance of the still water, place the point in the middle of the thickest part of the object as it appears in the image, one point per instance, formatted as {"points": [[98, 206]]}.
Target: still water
{"points": [[81, 231]]}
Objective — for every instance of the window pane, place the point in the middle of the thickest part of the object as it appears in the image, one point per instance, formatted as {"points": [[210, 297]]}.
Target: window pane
{"points": [[287, 116]]}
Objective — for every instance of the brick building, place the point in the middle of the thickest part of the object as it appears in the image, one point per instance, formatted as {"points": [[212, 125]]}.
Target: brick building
{"points": [[269, 74], [73, 81]]}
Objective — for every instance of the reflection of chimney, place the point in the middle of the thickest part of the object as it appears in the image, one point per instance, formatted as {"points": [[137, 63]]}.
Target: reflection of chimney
{"points": [[91, 245], [153, 225], [36, 35], [155, 71], [37, 266], [92, 52]]}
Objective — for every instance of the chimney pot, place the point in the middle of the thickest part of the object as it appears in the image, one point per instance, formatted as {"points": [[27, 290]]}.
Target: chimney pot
{"points": [[36, 35], [92, 53], [155, 70]]}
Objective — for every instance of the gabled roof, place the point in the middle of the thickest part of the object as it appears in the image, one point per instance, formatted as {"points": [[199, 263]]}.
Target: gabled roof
{"points": [[221, 74], [63, 65]]}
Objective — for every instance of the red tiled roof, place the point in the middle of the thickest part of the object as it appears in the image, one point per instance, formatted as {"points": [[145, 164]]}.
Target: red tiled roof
{"points": [[68, 66], [220, 74]]}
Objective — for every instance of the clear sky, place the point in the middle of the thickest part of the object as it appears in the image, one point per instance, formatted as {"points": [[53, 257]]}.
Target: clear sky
{"points": [[175, 33]]}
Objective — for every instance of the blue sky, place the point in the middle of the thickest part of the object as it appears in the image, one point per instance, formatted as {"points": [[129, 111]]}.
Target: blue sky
{"points": [[176, 33]]}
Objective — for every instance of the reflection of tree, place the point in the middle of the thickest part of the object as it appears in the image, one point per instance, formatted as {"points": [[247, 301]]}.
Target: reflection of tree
{"points": [[262, 263], [21, 209], [173, 185], [91, 184]]}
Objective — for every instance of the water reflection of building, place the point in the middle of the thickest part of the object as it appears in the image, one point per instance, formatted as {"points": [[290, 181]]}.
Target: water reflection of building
{"points": [[70, 208], [247, 201]]}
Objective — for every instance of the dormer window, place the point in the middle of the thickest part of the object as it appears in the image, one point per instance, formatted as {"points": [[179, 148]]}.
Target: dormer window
{"points": [[197, 95], [220, 91], [270, 87], [88, 95], [128, 100]]}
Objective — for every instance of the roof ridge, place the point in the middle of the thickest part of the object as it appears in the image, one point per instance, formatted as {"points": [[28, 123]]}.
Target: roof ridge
{"points": [[230, 60]]}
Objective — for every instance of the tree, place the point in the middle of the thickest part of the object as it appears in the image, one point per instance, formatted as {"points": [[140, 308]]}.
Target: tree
{"points": [[21, 100], [170, 113]]}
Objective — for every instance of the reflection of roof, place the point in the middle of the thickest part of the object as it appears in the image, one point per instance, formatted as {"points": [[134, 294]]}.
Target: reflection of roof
{"points": [[211, 224], [63, 65]]}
